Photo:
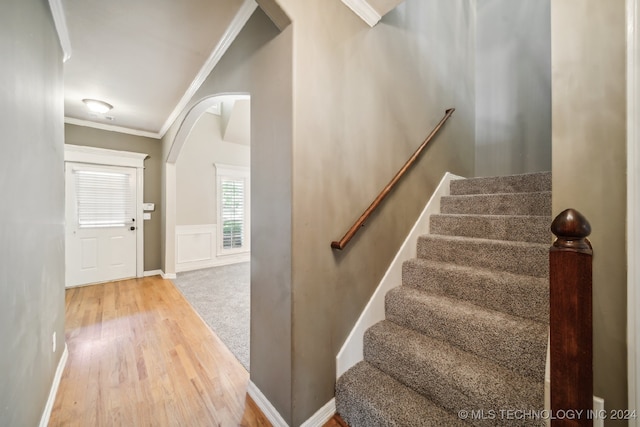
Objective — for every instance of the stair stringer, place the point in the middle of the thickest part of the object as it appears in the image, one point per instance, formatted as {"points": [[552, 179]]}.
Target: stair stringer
{"points": [[352, 350]]}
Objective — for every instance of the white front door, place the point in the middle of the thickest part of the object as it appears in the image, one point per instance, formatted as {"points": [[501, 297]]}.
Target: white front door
{"points": [[101, 223]]}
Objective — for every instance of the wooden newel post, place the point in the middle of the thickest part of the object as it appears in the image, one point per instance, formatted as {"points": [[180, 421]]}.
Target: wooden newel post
{"points": [[571, 350]]}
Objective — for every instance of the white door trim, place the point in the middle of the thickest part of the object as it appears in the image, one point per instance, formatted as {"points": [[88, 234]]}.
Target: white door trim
{"points": [[103, 156], [633, 205]]}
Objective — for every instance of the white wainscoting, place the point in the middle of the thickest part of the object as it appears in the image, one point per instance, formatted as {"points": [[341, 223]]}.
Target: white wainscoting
{"points": [[196, 248]]}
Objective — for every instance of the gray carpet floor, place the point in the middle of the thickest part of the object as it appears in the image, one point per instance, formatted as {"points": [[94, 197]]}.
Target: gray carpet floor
{"points": [[221, 296]]}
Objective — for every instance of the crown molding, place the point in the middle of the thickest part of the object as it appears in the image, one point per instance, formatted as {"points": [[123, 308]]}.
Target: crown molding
{"points": [[232, 31], [364, 10], [60, 22], [111, 128]]}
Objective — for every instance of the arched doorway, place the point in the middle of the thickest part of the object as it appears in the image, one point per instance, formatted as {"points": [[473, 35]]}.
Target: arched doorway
{"points": [[209, 186]]}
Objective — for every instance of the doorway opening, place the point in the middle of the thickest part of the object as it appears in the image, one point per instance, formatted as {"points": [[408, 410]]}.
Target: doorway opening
{"points": [[212, 217]]}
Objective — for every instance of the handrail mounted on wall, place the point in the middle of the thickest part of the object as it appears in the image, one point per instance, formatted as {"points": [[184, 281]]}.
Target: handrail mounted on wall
{"points": [[378, 200]]}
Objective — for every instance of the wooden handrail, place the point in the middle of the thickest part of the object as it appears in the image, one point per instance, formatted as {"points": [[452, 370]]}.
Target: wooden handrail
{"points": [[360, 222], [570, 298]]}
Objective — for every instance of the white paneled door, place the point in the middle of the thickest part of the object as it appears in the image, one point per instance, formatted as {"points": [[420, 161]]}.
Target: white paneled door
{"points": [[101, 223]]}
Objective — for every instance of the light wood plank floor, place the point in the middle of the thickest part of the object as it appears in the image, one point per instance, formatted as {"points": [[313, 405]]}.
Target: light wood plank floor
{"points": [[140, 356]]}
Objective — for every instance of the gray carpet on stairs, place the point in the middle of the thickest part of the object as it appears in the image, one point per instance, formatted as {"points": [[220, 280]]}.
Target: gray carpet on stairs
{"points": [[467, 330], [221, 296]]}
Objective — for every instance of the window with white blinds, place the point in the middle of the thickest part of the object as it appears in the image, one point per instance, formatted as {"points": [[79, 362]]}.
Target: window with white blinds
{"points": [[104, 199], [233, 212], [233, 209]]}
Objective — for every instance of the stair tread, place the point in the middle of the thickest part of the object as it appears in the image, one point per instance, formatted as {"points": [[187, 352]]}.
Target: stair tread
{"points": [[492, 216], [447, 375], [505, 194], [517, 257], [366, 396], [451, 266], [521, 228], [482, 241], [531, 203], [538, 181], [499, 290], [514, 342]]}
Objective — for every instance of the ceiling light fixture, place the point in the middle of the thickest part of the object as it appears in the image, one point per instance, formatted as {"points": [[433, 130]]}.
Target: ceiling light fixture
{"points": [[97, 106]]}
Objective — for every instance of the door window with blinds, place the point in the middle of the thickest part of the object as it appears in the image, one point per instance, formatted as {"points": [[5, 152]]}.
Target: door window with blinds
{"points": [[104, 198], [233, 208]]}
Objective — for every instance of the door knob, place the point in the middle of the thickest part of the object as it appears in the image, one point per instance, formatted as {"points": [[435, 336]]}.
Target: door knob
{"points": [[132, 228]]}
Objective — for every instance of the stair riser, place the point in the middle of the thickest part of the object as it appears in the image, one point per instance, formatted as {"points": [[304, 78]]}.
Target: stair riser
{"points": [[538, 204], [522, 296], [519, 345], [519, 258], [533, 229], [527, 183], [440, 376]]}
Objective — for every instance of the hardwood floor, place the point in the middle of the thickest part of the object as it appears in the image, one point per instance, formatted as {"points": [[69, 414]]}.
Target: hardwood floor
{"points": [[336, 421], [140, 356]]}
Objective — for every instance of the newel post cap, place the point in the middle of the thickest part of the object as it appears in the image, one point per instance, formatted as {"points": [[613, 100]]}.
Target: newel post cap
{"points": [[571, 229]]}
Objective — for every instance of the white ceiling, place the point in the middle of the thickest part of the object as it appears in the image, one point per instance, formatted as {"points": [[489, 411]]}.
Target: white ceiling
{"points": [[145, 57]]}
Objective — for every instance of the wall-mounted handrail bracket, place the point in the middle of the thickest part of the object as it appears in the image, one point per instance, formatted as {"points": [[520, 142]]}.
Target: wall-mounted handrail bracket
{"points": [[378, 200]]}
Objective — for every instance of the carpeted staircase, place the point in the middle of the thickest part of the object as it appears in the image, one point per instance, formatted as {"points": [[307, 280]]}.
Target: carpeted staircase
{"points": [[465, 336]]}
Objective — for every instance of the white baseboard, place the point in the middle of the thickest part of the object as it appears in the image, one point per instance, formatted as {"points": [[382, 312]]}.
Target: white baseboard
{"points": [[46, 414], [153, 273], [351, 351], [598, 408], [265, 406], [167, 276], [318, 419], [322, 415]]}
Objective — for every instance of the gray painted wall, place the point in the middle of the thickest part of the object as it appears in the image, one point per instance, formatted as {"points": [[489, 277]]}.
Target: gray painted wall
{"points": [[513, 87], [91, 137], [32, 211], [364, 99], [259, 62], [589, 164]]}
